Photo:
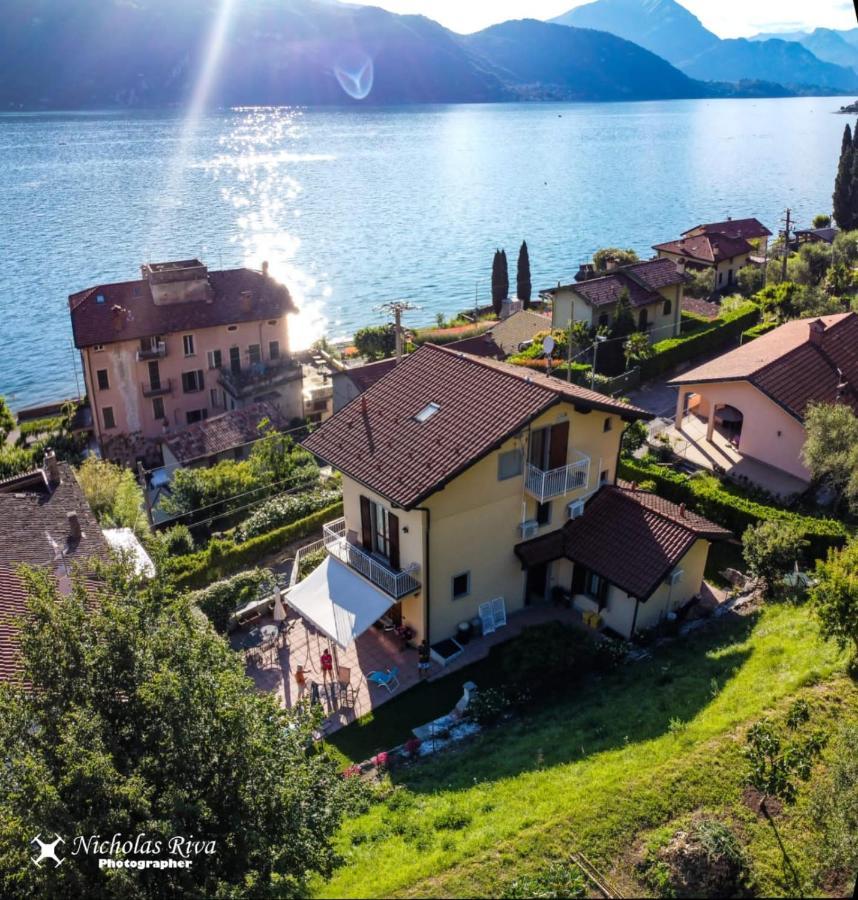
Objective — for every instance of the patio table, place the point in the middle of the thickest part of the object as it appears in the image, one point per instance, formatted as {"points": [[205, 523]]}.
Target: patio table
{"points": [[258, 636]]}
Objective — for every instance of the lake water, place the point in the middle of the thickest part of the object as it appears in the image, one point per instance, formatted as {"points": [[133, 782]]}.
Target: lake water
{"points": [[356, 207]]}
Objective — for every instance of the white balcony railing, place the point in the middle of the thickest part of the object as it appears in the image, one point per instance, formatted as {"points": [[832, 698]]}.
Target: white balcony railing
{"points": [[545, 486], [394, 583]]}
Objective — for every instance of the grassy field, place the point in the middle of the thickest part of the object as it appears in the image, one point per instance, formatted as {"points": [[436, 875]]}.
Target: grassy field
{"points": [[627, 755]]}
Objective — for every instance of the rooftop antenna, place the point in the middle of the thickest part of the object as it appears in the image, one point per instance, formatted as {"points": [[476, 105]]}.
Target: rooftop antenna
{"points": [[396, 308]]}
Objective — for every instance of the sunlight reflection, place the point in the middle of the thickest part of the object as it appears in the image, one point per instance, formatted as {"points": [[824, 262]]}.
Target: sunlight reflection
{"points": [[355, 73]]}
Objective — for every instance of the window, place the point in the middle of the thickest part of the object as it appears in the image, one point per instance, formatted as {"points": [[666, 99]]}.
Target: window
{"points": [[232, 327], [99, 298], [461, 585], [608, 424], [154, 376], [595, 584], [107, 417], [380, 530], [98, 348], [193, 381], [215, 359], [426, 413], [272, 321], [235, 360], [643, 320], [274, 349], [320, 405], [188, 344], [667, 309], [543, 513], [254, 354], [158, 408], [103, 380], [720, 278], [509, 464], [604, 476], [604, 319], [196, 415], [217, 398]]}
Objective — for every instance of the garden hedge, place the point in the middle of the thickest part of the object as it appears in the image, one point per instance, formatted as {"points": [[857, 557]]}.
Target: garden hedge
{"points": [[758, 330], [224, 556], [700, 340], [729, 507]]}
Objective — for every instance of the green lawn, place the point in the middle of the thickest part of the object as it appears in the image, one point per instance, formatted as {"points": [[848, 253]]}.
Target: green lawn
{"points": [[633, 752]]}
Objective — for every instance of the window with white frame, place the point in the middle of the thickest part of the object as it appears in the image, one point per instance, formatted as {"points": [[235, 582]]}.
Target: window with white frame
{"points": [[188, 345]]}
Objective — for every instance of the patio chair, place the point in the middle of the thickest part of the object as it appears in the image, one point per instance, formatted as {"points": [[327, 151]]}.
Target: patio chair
{"points": [[388, 679]]}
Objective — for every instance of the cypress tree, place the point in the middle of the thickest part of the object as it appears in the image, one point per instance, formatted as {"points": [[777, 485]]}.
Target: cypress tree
{"points": [[522, 281], [845, 189], [504, 275], [497, 283]]}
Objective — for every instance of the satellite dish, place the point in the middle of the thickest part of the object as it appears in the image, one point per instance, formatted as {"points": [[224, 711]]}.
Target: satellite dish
{"points": [[548, 345]]}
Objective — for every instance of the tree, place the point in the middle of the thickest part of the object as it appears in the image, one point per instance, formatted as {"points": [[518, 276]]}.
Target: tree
{"points": [[830, 449], [839, 280], [524, 289], [375, 341], [613, 256], [637, 348], [845, 197], [771, 549], [114, 495], [276, 458], [139, 719], [634, 437], [701, 283], [835, 595], [751, 279], [779, 301], [7, 420], [499, 294], [821, 221]]}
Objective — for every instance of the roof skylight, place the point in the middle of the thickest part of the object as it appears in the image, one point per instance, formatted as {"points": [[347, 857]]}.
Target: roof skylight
{"points": [[427, 412]]}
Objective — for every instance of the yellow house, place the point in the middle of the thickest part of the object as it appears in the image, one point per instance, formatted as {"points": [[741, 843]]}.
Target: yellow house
{"points": [[654, 290], [725, 247], [454, 468]]}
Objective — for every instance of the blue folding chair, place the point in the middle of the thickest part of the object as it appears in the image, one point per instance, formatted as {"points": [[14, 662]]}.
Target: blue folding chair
{"points": [[388, 679]]}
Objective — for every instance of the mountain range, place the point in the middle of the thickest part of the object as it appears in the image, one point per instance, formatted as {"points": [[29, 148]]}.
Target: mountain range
{"points": [[828, 44], [55, 54], [671, 31]]}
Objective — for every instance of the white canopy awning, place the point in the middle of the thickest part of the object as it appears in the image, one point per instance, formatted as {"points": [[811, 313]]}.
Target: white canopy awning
{"points": [[340, 603]]}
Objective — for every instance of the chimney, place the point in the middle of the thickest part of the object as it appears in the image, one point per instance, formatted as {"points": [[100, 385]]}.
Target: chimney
{"points": [[610, 265], [586, 271], [52, 468], [265, 268], [118, 317], [634, 486], [682, 510], [363, 406], [75, 533], [816, 332], [680, 266]]}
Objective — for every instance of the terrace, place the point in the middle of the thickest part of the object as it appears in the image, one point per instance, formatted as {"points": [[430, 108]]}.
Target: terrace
{"points": [[239, 382], [545, 485]]}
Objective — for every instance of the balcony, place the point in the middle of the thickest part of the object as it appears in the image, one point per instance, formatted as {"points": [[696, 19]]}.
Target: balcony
{"points": [[241, 382], [153, 351], [161, 389], [546, 485], [395, 584]]}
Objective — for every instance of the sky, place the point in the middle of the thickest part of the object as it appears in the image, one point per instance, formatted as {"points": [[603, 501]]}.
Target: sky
{"points": [[727, 18]]}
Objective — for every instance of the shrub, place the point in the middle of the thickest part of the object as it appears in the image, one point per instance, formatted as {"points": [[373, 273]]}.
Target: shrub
{"points": [[449, 337], [452, 819], [488, 705], [219, 600], [762, 328], [114, 495], [701, 283], [223, 557], [556, 880], [177, 541], [729, 506], [16, 460], [706, 338], [772, 549], [285, 510], [375, 341]]}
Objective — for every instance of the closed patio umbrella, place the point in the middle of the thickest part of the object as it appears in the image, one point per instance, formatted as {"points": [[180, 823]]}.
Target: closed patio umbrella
{"points": [[279, 610]]}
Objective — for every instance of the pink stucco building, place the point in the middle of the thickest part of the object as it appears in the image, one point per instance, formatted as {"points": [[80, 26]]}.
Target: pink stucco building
{"points": [[178, 345]]}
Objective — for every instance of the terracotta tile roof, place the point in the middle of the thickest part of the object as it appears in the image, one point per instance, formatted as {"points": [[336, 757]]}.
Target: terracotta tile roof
{"points": [[749, 229], [127, 311], [377, 441], [13, 609], [34, 523], [222, 433], [481, 345], [790, 368], [707, 248], [642, 280], [631, 538], [364, 377], [826, 235]]}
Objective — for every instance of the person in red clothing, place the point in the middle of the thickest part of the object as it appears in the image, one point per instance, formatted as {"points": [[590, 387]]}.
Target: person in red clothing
{"points": [[327, 665]]}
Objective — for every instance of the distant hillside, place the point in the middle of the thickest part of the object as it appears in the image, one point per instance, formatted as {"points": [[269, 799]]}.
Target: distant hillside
{"points": [[827, 44], [671, 31], [786, 62], [557, 62], [662, 26], [91, 53]]}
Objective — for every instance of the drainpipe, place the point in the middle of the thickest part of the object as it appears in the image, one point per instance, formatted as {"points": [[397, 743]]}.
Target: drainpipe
{"points": [[426, 545]]}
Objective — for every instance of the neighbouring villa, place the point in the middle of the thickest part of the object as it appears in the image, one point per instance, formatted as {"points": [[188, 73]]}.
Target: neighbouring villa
{"points": [[473, 489], [744, 411], [654, 289], [725, 247], [179, 345]]}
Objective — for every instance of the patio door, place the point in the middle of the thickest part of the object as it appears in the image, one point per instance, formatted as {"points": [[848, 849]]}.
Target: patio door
{"points": [[536, 587], [548, 446]]}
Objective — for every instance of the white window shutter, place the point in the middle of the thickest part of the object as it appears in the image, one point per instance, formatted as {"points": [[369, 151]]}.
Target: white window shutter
{"points": [[487, 617], [499, 612]]}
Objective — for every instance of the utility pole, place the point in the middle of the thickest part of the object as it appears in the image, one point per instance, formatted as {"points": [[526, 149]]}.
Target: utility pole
{"points": [[397, 308], [599, 340], [786, 244], [141, 473]]}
